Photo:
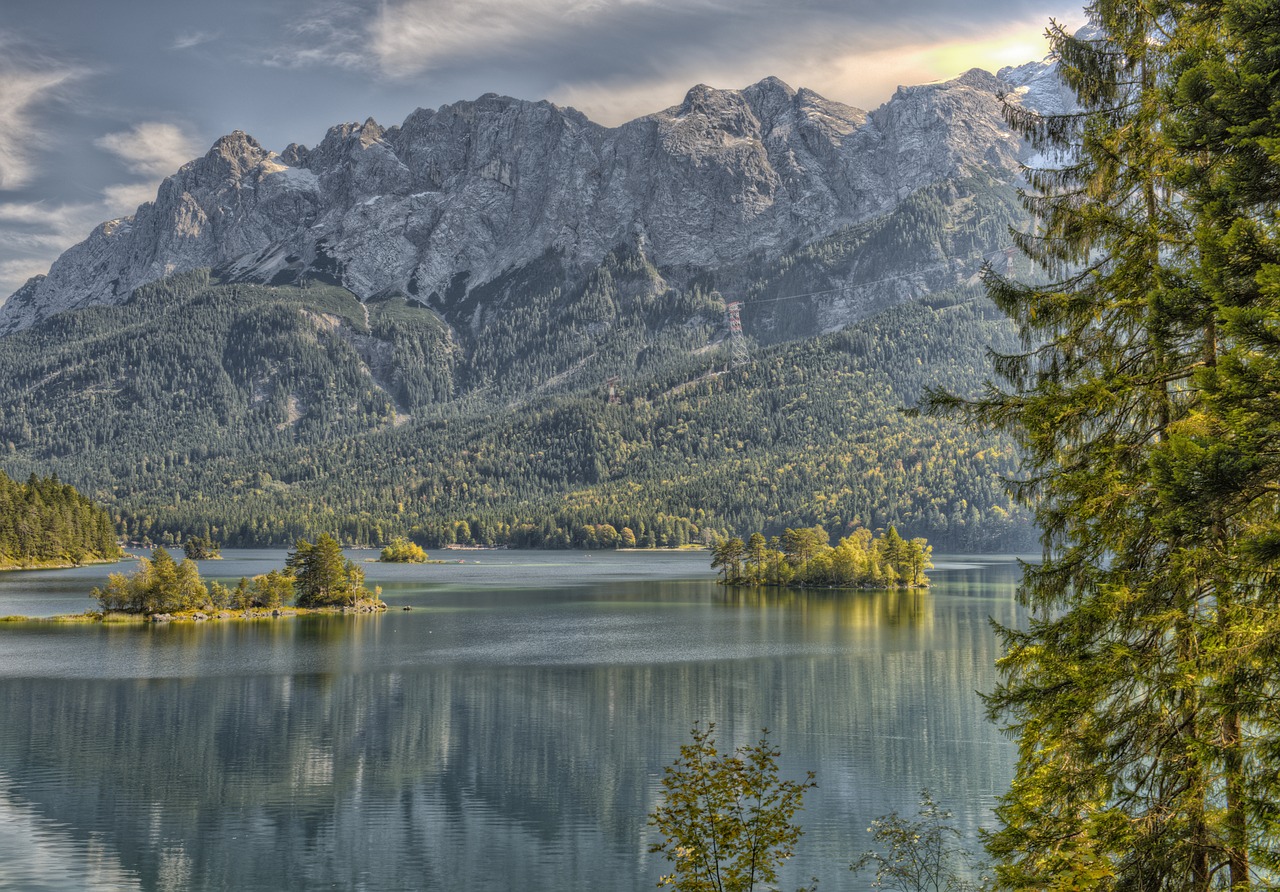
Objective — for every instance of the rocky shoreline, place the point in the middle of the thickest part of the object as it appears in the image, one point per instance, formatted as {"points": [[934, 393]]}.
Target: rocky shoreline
{"points": [[199, 616]]}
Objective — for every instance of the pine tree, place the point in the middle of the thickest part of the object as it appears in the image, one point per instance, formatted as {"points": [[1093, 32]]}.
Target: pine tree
{"points": [[322, 576], [1219, 469], [1123, 715]]}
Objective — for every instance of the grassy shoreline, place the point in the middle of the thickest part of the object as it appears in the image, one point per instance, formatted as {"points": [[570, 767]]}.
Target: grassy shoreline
{"points": [[89, 617], [63, 565]]}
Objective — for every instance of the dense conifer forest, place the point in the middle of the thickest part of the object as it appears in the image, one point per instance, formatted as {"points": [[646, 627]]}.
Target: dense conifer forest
{"points": [[45, 523]]}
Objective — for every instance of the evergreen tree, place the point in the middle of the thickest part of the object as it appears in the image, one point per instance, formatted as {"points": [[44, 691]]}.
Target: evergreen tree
{"points": [[1128, 708], [1218, 470], [727, 556], [323, 577]]}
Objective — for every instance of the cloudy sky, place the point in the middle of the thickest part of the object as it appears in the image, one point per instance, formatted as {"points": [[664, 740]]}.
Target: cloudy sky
{"points": [[99, 101]]}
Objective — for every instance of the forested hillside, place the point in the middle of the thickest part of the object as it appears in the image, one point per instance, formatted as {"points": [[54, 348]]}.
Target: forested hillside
{"points": [[253, 417], [45, 522], [257, 414]]}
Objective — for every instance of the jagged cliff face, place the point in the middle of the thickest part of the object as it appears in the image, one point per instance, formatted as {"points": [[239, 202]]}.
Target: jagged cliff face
{"points": [[458, 195]]}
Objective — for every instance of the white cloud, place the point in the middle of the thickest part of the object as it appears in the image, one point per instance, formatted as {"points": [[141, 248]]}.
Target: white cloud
{"points": [[189, 39], [14, 274], [20, 92], [34, 233], [410, 37], [153, 148], [124, 199], [331, 35]]}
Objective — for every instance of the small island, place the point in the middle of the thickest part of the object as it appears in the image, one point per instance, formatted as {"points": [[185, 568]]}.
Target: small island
{"points": [[805, 558], [316, 578], [202, 548], [402, 551]]}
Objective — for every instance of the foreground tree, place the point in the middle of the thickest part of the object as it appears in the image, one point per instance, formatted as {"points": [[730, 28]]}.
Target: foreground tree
{"points": [[1141, 689], [1219, 470], [917, 855], [726, 819]]}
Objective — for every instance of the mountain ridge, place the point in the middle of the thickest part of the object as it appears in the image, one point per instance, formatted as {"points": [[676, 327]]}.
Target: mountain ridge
{"points": [[477, 188]]}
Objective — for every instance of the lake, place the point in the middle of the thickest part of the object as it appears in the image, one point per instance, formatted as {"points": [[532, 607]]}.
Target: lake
{"points": [[509, 732]]}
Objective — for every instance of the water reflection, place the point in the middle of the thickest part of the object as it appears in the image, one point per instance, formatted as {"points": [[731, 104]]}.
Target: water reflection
{"points": [[492, 742], [847, 609]]}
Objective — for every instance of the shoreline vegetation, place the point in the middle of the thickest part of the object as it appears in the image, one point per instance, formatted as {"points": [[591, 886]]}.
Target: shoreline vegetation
{"points": [[115, 617], [62, 564], [805, 558]]}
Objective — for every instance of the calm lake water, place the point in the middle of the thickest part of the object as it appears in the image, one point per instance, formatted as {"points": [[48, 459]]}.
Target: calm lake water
{"points": [[508, 733]]}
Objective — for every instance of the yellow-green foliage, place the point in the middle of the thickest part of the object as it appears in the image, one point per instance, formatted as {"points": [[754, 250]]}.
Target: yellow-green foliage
{"points": [[160, 585], [270, 590], [402, 551], [727, 820], [806, 557]]}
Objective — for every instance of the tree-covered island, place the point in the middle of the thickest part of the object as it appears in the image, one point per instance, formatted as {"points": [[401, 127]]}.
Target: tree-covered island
{"points": [[316, 577], [402, 551], [201, 548], [805, 557]]}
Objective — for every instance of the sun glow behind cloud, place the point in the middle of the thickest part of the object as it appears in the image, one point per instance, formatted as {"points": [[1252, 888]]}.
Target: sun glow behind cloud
{"points": [[865, 77], [868, 78]]}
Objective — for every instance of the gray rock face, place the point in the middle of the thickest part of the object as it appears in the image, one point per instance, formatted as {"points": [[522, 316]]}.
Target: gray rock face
{"points": [[480, 187]]}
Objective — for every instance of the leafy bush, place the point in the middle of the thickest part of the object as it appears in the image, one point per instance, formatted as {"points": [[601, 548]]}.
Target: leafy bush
{"points": [[726, 819]]}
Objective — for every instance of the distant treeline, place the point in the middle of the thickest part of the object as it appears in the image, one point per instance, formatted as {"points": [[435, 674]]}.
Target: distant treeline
{"points": [[45, 522]]}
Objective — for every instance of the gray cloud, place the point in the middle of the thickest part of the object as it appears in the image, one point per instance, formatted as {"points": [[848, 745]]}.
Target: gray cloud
{"points": [[617, 39]]}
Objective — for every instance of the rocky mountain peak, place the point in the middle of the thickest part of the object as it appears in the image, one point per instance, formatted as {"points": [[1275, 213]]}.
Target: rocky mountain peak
{"points": [[295, 155], [476, 188], [232, 156], [770, 99]]}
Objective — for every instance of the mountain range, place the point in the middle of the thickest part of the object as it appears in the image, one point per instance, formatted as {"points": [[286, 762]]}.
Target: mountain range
{"points": [[436, 292], [452, 198]]}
